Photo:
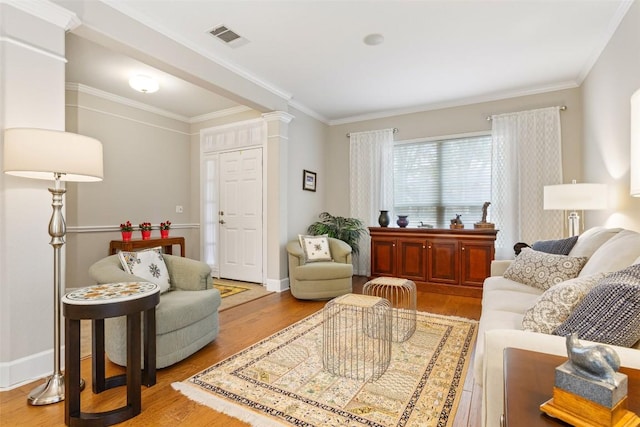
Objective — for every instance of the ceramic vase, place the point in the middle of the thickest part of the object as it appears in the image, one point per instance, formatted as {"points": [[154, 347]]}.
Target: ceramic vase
{"points": [[402, 221], [146, 234], [126, 236], [383, 219]]}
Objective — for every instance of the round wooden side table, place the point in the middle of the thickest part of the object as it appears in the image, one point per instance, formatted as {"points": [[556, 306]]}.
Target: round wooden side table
{"points": [[97, 303]]}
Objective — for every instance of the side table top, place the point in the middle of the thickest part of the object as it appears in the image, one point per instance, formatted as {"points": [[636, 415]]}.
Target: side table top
{"points": [[110, 292]]}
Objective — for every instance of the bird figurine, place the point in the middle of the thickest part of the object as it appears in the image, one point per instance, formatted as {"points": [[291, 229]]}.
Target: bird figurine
{"points": [[597, 362]]}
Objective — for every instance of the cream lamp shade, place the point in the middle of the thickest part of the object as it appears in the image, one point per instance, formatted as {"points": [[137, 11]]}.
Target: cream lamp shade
{"points": [[575, 197], [43, 153], [634, 166]]}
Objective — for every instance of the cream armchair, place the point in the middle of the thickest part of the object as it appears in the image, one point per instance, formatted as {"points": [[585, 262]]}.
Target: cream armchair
{"points": [[320, 280], [186, 317]]}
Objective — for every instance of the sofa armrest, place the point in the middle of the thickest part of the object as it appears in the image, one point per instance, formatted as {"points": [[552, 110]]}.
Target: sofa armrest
{"points": [[188, 274], [109, 270], [499, 266], [496, 340]]}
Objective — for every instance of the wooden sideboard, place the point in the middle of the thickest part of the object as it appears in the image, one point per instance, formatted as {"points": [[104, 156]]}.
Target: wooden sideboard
{"points": [[135, 244], [438, 260]]}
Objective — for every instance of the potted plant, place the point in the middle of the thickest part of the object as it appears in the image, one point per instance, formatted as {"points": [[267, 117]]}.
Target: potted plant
{"points": [[348, 230], [126, 229], [145, 230], [164, 229]]}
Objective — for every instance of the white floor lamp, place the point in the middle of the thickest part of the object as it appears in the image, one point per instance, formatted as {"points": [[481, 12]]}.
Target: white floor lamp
{"points": [[575, 197], [58, 156]]}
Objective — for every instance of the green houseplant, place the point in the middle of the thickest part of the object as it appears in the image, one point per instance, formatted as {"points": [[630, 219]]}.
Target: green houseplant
{"points": [[348, 230]]}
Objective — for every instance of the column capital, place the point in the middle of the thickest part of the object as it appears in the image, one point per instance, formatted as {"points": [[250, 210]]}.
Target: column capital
{"points": [[281, 116]]}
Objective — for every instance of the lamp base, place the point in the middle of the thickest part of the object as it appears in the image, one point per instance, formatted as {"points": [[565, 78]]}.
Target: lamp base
{"points": [[50, 392]]}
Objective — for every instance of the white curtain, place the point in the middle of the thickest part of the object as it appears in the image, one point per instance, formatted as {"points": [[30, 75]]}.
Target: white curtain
{"points": [[371, 185], [527, 156]]}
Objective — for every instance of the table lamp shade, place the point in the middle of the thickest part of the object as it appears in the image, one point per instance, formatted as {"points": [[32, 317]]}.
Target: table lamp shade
{"points": [[635, 144], [572, 197], [41, 153]]}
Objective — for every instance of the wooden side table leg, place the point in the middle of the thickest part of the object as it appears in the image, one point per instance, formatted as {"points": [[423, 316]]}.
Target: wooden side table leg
{"points": [[149, 372], [97, 356], [134, 371], [72, 370]]}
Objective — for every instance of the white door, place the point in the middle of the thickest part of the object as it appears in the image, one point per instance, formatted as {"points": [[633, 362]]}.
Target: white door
{"points": [[240, 215]]}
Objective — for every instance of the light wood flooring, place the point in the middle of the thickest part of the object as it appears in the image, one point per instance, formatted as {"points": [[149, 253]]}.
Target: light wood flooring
{"points": [[240, 327]]}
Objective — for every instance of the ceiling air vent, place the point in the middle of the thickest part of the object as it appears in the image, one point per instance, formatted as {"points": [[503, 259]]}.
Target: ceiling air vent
{"points": [[227, 36]]}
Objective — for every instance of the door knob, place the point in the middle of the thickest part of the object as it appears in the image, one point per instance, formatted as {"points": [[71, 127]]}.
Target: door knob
{"points": [[221, 221]]}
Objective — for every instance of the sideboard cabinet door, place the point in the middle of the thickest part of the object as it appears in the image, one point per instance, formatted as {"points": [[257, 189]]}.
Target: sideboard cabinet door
{"points": [[444, 262], [412, 259], [476, 260], [383, 256]]}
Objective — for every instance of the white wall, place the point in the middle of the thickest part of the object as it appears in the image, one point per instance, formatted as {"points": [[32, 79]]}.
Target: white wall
{"points": [[606, 94], [32, 85]]}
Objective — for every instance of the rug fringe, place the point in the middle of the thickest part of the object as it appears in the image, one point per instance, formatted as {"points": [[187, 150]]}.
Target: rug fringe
{"points": [[220, 405]]}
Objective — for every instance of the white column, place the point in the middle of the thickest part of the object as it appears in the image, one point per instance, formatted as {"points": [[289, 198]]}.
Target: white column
{"points": [[276, 166], [32, 38]]}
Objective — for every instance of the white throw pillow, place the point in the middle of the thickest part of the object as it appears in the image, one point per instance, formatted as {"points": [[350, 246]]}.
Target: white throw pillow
{"points": [[147, 264], [556, 304], [542, 270], [615, 254], [315, 248]]}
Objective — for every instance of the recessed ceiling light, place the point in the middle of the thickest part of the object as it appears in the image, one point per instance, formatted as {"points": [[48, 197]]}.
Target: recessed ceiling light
{"points": [[144, 84], [374, 39]]}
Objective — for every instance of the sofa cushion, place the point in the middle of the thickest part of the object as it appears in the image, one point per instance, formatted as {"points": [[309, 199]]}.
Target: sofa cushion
{"points": [[542, 270], [323, 271], [148, 264], [558, 247], [589, 241], [610, 313], [556, 304], [315, 248], [618, 252]]}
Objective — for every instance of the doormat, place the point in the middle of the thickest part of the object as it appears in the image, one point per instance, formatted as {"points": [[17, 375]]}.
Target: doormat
{"points": [[280, 381], [227, 290]]}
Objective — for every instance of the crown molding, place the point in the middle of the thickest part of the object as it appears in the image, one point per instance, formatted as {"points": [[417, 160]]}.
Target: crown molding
{"points": [[281, 116], [455, 103], [47, 11], [220, 113], [308, 111], [33, 48]]}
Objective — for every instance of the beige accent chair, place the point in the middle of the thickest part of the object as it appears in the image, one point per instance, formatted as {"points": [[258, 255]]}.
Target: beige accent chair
{"points": [[186, 317], [323, 279]]}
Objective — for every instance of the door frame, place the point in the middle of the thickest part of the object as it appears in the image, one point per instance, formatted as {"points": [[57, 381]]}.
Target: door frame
{"points": [[227, 138]]}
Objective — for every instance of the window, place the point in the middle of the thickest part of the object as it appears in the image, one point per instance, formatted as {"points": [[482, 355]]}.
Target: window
{"points": [[434, 180]]}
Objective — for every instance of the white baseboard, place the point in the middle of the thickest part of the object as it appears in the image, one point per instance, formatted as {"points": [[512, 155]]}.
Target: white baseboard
{"points": [[27, 369], [275, 285]]}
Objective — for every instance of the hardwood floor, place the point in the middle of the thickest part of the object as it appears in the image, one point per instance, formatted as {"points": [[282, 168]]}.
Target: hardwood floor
{"points": [[240, 327]]}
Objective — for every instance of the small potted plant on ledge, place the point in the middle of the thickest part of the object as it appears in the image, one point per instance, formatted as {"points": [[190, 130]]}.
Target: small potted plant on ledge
{"points": [[145, 229], [126, 229], [164, 229]]}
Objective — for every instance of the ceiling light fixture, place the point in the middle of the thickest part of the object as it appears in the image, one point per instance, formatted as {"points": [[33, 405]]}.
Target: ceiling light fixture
{"points": [[373, 39], [144, 84]]}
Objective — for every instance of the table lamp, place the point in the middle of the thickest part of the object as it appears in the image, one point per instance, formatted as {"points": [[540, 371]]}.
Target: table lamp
{"points": [[575, 197], [58, 156]]}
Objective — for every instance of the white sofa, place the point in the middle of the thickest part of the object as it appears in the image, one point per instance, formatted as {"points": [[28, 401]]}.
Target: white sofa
{"points": [[504, 303]]}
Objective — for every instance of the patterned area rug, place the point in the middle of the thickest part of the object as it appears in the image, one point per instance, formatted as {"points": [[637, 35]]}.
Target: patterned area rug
{"points": [[280, 381], [227, 290]]}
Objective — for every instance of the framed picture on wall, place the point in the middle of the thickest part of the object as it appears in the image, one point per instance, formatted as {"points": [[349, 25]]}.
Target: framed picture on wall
{"points": [[308, 180]]}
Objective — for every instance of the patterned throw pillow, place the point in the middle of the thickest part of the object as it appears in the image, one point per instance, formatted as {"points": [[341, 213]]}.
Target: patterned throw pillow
{"points": [[610, 313], [542, 270], [558, 247], [316, 248], [556, 304], [147, 264]]}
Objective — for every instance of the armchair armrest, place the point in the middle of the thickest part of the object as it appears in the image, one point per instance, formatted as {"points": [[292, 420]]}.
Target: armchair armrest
{"points": [[188, 274], [296, 256], [109, 270], [340, 251]]}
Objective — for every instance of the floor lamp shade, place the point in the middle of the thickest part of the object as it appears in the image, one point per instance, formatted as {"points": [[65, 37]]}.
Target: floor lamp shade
{"points": [[56, 156], [41, 153], [635, 144]]}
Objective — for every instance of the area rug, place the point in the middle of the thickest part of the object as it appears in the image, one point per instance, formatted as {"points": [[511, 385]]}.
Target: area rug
{"points": [[234, 293], [227, 290], [280, 381]]}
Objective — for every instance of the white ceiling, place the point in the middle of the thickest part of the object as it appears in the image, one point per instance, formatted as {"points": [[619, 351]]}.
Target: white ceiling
{"points": [[435, 53]]}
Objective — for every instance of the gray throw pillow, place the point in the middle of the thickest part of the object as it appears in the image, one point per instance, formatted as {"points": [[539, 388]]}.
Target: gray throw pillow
{"points": [[558, 247], [542, 270], [610, 313]]}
